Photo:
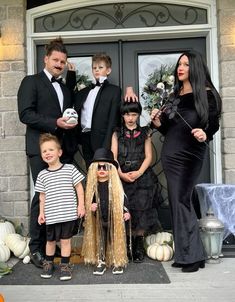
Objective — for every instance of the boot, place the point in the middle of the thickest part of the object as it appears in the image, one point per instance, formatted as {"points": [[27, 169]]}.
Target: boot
{"points": [[138, 252]]}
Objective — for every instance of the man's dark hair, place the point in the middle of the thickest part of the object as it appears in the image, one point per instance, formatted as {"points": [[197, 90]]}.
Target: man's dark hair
{"points": [[56, 45]]}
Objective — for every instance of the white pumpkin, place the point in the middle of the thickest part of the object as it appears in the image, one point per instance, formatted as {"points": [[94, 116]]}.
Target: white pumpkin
{"points": [[6, 228], [17, 244], [4, 252], [164, 237], [160, 252], [150, 239], [160, 238], [26, 250]]}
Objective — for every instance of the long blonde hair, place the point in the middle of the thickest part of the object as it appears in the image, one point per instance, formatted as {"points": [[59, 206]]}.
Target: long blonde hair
{"points": [[115, 253]]}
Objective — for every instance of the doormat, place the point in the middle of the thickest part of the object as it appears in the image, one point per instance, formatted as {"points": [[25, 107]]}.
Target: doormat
{"points": [[147, 272]]}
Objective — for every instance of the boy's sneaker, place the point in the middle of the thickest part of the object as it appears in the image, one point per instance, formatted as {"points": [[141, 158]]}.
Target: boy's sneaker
{"points": [[48, 268], [100, 269], [65, 271], [117, 270]]}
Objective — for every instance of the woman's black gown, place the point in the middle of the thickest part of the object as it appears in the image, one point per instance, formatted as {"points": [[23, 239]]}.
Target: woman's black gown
{"points": [[182, 159]]}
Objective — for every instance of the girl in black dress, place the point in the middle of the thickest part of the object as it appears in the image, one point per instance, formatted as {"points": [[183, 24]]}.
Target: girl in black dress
{"points": [[184, 149], [132, 148]]}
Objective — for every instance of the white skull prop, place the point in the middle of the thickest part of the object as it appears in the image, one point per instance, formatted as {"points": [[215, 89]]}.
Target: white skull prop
{"points": [[72, 114]]}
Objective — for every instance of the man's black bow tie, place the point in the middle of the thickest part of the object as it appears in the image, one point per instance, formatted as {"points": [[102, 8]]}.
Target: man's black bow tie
{"points": [[58, 80]]}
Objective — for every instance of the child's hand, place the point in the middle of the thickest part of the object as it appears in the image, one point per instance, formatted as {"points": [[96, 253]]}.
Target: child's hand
{"points": [[81, 211], [126, 216], [134, 175], [71, 66], [127, 177], [41, 219], [94, 207]]}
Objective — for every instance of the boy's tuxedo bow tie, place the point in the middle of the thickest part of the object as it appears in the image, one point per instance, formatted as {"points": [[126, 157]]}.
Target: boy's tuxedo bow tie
{"points": [[98, 83], [58, 80]]}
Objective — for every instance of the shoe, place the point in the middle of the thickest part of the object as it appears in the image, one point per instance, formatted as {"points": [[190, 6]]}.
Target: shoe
{"points": [[37, 259], [178, 265], [117, 270], [100, 269], [193, 267], [48, 268], [65, 272]]}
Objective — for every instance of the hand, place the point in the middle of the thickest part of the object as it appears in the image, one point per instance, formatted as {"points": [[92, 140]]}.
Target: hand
{"points": [[94, 207], [127, 177], [126, 216], [41, 219], [155, 117], [81, 211], [71, 66], [62, 123], [130, 95], [134, 175], [199, 134]]}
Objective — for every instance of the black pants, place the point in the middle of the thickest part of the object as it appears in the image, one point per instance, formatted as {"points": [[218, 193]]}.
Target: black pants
{"points": [[87, 150], [37, 232]]}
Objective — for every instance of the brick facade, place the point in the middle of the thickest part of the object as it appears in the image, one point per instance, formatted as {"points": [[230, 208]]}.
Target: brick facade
{"points": [[14, 174]]}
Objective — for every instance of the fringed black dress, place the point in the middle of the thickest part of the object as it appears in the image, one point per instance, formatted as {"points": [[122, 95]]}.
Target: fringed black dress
{"points": [[182, 159], [142, 192]]}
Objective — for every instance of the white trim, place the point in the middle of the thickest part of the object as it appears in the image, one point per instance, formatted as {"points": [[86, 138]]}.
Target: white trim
{"points": [[209, 31]]}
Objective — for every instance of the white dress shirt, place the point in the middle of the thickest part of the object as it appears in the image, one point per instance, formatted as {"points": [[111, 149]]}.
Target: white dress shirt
{"points": [[88, 107], [58, 90]]}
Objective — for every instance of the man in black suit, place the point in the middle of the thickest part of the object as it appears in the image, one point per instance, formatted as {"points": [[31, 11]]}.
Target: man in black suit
{"points": [[98, 109], [42, 98]]}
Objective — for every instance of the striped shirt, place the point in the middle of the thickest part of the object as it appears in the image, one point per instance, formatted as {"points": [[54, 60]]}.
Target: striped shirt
{"points": [[60, 194]]}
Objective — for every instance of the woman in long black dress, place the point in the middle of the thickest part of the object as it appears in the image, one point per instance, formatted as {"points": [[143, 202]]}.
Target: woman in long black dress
{"points": [[199, 106]]}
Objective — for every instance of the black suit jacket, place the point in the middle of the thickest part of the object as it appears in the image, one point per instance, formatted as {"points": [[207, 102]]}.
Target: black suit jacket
{"points": [[106, 113], [39, 108]]}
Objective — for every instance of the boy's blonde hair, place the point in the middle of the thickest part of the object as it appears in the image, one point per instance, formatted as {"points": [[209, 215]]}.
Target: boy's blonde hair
{"points": [[102, 57], [46, 137]]}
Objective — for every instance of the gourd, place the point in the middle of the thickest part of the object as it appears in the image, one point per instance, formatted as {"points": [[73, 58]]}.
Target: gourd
{"points": [[18, 244], [160, 252], [4, 252], [160, 237], [6, 228]]}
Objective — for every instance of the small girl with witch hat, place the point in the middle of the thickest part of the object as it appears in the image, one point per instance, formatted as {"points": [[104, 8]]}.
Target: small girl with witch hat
{"points": [[131, 146], [104, 242]]}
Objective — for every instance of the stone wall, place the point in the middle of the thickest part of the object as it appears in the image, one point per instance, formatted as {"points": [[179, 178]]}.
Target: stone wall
{"points": [[226, 41], [14, 180]]}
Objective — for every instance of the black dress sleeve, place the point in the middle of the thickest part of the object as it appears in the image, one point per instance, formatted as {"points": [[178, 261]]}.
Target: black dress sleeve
{"points": [[71, 80], [213, 119]]}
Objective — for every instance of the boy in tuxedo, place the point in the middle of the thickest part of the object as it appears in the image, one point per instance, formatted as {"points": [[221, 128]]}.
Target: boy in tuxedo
{"points": [[98, 109]]}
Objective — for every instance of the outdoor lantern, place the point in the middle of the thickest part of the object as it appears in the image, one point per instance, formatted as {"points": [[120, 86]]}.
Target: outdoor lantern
{"points": [[211, 230]]}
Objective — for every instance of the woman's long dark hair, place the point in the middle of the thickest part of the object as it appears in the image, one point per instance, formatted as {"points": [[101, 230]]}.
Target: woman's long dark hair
{"points": [[200, 80]]}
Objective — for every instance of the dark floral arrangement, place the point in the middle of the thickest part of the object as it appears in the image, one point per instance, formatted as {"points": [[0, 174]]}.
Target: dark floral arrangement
{"points": [[83, 81], [158, 87]]}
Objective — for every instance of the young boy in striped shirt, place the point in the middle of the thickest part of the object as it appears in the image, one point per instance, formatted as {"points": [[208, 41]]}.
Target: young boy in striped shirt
{"points": [[61, 204]]}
